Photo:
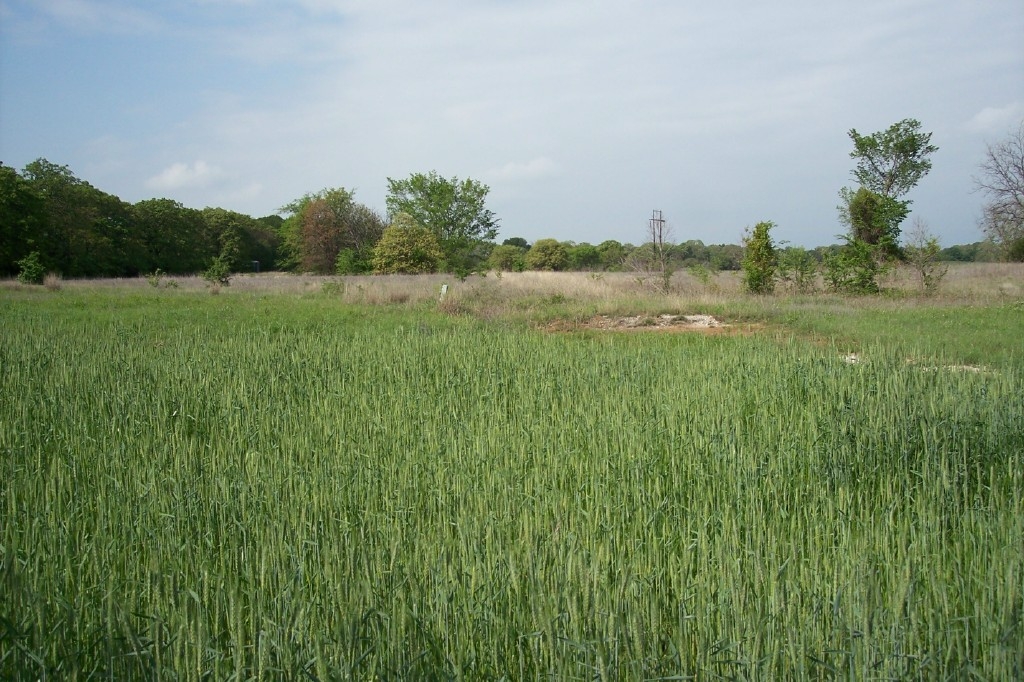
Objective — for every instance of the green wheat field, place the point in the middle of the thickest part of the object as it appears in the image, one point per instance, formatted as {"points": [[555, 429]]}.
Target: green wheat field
{"points": [[261, 485]]}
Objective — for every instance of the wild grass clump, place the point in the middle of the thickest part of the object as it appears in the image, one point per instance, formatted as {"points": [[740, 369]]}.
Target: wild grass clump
{"points": [[53, 281], [239, 487]]}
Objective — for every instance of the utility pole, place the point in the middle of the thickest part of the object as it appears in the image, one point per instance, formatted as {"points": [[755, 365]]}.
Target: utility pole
{"points": [[656, 228]]}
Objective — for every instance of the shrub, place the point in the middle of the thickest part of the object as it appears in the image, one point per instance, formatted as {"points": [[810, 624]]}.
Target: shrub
{"points": [[351, 262], [759, 259], [547, 254], [855, 267], [154, 277], [1015, 252], [797, 268], [219, 272], [507, 258], [406, 247], [923, 253], [30, 269]]}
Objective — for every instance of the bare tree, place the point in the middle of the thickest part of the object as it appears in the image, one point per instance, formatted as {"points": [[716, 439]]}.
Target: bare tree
{"points": [[1002, 181], [922, 251]]}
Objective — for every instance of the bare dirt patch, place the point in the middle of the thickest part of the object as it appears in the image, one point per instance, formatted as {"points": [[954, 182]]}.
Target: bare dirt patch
{"points": [[704, 324]]}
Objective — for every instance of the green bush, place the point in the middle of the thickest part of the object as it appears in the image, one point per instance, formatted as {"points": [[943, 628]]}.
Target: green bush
{"points": [[855, 268], [797, 268], [351, 262], [406, 247], [759, 259], [219, 272], [507, 258], [547, 254], [30, 269]]}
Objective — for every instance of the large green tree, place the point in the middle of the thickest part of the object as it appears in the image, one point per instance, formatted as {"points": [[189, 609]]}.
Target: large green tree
{"points": [[176, 239], [84, 232], [241, 239], [21, 216], [547, 254], [893, 161], [454, 210], [612, 253], [507, 258], [889, 164]]}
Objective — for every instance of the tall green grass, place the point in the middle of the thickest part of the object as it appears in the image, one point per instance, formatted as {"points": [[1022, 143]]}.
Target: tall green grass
{"points": [[198, 487]]}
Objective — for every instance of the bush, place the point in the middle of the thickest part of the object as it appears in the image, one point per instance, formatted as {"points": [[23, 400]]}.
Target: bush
{"points": [[219, 272], [30, 269], [155, 277], [507, 258], [547, 254], [1015, 252], [923, 253], [855, 267], [797, 269], [759, 259], [406, 247], [351, 262]]}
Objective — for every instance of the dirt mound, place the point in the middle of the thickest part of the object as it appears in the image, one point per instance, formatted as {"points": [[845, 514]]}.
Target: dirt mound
{"points": [[655, 322]]}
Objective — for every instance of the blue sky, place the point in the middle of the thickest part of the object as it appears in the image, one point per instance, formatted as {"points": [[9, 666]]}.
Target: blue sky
{"points": [[581, 116]]}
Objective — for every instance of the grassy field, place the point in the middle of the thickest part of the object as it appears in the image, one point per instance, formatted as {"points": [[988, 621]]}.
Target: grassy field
{"points": [[301, 478]]}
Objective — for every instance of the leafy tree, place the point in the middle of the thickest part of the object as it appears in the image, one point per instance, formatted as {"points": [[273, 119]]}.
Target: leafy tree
{"points": [[759, 259], [725, 256], [875, 219], [321, 225], [518, 242], [691, 252], [583, 257], [546, 254], [507, 258], [1002, 181], [454, 210], [406, 247], [241, 238], [175, 238], [611, 253], [84, 232], [22, 214], [890, 163]]}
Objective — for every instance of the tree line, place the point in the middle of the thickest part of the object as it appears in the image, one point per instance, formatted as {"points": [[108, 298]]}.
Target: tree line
{"points": [[77, 230], [56, 222]]}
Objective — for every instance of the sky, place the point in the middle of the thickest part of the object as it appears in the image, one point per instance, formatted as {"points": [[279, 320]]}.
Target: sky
{"points": [[582, 116]]}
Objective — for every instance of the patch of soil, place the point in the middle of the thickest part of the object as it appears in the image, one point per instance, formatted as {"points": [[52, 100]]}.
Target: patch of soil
{"points": [[705, 324]]}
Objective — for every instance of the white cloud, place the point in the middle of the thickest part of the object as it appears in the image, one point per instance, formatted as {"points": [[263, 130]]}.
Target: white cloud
{"points": [[721, 114], [996, 120], [533, 169], [184, 176]]}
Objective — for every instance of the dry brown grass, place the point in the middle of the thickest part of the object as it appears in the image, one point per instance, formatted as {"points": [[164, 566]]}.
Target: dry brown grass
{"points": [[580, 293], [53, 281]]}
